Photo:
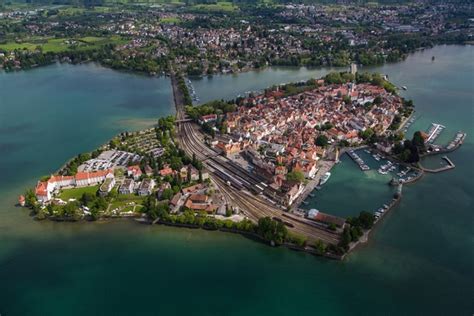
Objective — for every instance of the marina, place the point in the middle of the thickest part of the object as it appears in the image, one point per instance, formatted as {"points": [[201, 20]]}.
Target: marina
{"points": [[434, 132], [389, 166], [457, 141]]}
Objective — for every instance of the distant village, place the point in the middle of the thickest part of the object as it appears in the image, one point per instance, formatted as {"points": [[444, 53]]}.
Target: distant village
{"points": [[207, 42]]}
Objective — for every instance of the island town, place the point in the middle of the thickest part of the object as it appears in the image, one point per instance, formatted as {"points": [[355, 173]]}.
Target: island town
{"points": [[247, 165]]}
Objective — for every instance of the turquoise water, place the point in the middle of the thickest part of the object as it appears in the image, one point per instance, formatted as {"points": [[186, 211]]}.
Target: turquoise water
{"points": [[50, 114], [419, 260]]}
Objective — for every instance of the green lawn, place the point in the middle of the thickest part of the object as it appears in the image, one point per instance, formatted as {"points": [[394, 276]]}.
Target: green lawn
{"points": [[63, 44], [170, 20], [219, 6], [76, 193], [123, 201]]}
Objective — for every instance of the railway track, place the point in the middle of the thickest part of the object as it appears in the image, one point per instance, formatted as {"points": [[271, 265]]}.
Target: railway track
{"points": [[222, 170]]}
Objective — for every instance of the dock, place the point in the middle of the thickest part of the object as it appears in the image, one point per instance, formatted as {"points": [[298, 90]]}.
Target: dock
{"points": [[434, 131], [355, 157]]}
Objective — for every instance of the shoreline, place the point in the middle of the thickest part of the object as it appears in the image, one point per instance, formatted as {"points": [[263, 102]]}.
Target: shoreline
{"points": [[247, 70]]}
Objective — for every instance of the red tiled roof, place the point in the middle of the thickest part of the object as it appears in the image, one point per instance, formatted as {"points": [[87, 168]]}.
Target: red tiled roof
{"points": [[91, 175], [135, 169], [41, 189], [58, 178]]}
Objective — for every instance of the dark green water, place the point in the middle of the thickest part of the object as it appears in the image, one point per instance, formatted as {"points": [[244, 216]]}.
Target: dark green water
{"points": [[418, 262]]}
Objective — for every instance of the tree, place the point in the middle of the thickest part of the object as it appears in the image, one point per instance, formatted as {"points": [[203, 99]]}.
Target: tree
{"points": [[272, 230], [94, 213], [345, 239], [366, 220], [40, 214], [228, 211], [87, 199], [333, 78], [320, 246], [418, 140], [167, 194], [378, 100], [295, 175], [200, 176], [367, 133], [321, 140], [30, 198]]}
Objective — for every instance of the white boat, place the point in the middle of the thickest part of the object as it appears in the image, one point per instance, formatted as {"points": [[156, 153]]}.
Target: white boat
{"points": [[325, 178]]}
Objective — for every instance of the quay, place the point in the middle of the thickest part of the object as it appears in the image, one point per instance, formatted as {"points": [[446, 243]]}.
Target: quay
{"points": [[405, 125], [326, 166], [355, 157]]}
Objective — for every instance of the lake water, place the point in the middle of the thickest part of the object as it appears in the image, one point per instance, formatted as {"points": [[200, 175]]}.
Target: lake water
{"points": [[419, 260]]}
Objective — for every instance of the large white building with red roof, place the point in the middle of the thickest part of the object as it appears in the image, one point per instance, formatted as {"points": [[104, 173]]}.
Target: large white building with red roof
{"points": [[44, 189]]}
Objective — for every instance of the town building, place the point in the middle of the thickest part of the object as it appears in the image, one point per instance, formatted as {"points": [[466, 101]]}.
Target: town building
{"points": [[146, 187], [127, 186]]}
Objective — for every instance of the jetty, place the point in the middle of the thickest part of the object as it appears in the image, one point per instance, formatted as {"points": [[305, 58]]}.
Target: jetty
{"points": [[355, 157]]}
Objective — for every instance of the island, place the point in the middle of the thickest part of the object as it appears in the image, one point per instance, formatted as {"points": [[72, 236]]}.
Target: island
{"points": [[246, 165]]}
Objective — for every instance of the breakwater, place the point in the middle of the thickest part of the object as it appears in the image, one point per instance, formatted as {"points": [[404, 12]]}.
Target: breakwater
{"points": [[386, 209]]}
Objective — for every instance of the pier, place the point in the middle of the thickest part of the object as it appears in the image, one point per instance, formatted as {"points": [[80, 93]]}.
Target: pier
{"points": [[355, 157]]}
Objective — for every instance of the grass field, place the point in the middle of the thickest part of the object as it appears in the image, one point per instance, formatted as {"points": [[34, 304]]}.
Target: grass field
{"points": [[219, 6], [76, 193], [170, 20], [57, 45], [122, 201]]}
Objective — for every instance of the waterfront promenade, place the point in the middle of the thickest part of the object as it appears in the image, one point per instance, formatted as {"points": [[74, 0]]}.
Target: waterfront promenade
{"points": [[325, 166]]}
